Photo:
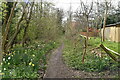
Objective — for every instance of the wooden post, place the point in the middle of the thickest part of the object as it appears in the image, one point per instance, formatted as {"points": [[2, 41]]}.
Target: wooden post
{"points": [[84, 51]]}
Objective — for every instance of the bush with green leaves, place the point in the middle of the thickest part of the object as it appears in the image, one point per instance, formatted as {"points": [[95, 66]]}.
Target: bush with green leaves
{"points": [[25, 62]]}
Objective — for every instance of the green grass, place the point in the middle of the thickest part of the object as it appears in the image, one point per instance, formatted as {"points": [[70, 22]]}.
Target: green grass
{"points": [[94, 42], [73, 57], [112, 45], [25, 62]]}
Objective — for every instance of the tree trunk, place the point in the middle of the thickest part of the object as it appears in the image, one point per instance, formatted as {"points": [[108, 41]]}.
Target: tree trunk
{"points": [[104, 23], [41, 9], [87, 21], [27, 24], [25, 35], [6, 32], [103, 34], [10, 43]]}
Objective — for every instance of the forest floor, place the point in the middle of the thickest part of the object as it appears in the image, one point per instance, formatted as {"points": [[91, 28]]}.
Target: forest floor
{"points": [[58, 69]]}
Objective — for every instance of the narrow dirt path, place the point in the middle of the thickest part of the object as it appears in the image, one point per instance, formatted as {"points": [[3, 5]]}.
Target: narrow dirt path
{"points": [[56, 67]]}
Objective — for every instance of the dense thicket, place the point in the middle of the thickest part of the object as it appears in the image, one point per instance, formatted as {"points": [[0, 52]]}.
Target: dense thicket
{"points": [[26, 22]]}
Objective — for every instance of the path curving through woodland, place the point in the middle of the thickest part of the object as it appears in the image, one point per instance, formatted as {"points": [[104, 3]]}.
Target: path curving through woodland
{"points": [[57, 69]]}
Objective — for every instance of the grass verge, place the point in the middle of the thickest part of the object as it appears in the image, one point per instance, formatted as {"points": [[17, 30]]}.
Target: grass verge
{"points": [[73, 57]]}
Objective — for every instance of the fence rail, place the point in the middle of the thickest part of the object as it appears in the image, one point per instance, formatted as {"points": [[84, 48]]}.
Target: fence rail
{"points": [[108, 51]]}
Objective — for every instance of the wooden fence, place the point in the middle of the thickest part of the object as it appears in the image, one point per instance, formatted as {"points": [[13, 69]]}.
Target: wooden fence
{"points": [[112, 33]]}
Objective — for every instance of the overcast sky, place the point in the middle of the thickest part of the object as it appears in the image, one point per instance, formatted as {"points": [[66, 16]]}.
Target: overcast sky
{"points": [[65, 4]]}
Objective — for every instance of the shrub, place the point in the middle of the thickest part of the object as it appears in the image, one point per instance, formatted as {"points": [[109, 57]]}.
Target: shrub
{"points": [[25, 62]]}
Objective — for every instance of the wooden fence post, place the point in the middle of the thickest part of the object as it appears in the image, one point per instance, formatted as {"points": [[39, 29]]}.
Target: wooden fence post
{"points": [[84, 52]]}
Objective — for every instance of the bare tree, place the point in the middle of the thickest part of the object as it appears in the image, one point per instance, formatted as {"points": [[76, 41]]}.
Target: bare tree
{"points": [[28, 18], [107, 6], [69, 21], [84, 12]]}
